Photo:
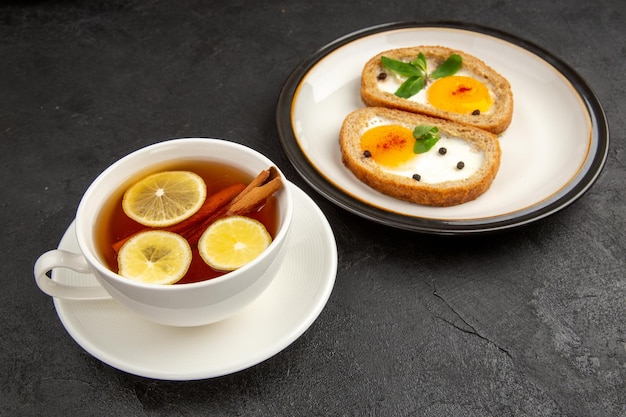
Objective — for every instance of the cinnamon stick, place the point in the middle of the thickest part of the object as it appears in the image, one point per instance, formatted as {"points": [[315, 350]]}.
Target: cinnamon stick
{"points": [[257, 192], [257, 181], [255, 198]]}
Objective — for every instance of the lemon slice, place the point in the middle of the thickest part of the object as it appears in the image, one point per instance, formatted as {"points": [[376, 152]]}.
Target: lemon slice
{"points": [[232, 242], [155, 257], [164, 198]]}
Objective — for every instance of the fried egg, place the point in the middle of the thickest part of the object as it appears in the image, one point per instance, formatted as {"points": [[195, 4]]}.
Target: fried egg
{"points": [[390, 145], [460, 93]]}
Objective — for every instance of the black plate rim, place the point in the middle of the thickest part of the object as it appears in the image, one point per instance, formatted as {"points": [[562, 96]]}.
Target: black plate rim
{"points": [[289, 143]]}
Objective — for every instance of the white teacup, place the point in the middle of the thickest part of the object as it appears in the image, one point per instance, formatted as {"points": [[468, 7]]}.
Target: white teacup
{"points": [[190, 304]]}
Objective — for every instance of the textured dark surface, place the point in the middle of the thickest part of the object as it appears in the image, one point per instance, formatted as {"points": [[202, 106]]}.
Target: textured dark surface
{"points": [[524, 323]]}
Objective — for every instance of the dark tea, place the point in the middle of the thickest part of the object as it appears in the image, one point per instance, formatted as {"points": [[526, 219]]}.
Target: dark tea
{"points": [[114, 225]]}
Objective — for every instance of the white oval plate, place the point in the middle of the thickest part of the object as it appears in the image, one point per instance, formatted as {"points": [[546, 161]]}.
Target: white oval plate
{"points": [[552, 152], [292, 302]]}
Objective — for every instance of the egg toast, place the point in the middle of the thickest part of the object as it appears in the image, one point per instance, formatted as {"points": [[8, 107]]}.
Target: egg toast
{"points": [[472, 93], [459, 165]]}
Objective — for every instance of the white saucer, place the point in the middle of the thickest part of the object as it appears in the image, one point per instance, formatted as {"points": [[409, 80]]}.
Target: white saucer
{"points": [[117, 337]]}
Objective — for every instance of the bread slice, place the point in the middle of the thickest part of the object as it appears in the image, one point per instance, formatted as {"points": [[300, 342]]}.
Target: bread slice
{"points": [[495, 121], [404, 187]]}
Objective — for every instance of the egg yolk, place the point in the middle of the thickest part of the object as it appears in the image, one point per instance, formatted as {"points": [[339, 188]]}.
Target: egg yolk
{"points": [[389, 145], [460, 94]]}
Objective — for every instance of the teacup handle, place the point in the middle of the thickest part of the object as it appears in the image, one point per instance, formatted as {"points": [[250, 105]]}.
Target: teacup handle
{"points": [[63, 259]]}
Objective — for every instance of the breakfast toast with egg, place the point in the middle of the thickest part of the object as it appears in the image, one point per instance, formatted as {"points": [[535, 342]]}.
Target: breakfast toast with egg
{"points": [[460, 97], [459, 166]]}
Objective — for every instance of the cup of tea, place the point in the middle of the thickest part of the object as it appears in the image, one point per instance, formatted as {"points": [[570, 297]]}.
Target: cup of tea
{"points": [[204, 295]]}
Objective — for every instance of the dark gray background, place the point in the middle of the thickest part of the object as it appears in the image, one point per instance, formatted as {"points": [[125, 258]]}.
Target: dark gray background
{"points": [[524, 323]]}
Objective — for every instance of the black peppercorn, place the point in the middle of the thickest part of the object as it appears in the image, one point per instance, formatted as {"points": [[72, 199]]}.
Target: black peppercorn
{"points": [[460, 165], [417, 177], [476, 112], [382, 76], [442, 151], [367, 154]]}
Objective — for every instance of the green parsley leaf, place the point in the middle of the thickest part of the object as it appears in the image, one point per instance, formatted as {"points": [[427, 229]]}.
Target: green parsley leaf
{"points": [[449, 67], [403, 68], [411, 86], [420, 131], [420, 62], [425, 138]]}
